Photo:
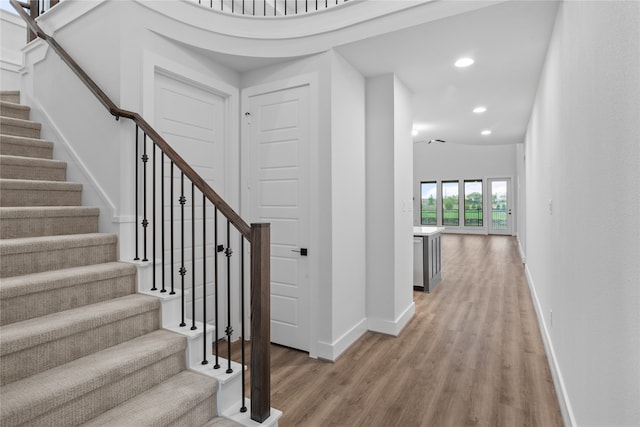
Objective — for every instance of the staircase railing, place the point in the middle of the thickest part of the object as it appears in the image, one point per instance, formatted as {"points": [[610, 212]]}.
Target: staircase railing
{"points": [[270, 7], [159, 152]]}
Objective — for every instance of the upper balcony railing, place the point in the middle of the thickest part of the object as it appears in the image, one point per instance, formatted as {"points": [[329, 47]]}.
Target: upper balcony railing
{"points": [[240, 7], [270, 7]]}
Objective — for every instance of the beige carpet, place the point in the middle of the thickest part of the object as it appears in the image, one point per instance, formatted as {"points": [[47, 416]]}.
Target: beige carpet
{"points": [[77, 344]]}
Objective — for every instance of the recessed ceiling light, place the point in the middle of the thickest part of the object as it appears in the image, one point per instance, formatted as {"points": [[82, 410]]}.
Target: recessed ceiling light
{"points": [[486, 132], [464, 62], [479, 110]]}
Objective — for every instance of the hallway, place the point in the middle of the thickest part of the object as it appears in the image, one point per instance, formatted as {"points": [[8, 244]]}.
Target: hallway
{"points": [[472, 355]]}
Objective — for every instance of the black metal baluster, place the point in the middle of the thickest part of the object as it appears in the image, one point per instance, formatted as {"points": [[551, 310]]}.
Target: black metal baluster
{"points": [[233, 6], [264, 7], [162, 225], [285, 7], [193, 258], [254, 8], [173, 291], [215, 285], [204, 280], [296, 6], [243, 408], [183, 270], [306, 5], [229, 330], [153, 216], [137, 258], [243, 7], [145, 223]]}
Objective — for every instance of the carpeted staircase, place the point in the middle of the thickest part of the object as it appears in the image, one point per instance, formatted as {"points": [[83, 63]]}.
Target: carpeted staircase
{"points": [[77, 344]]}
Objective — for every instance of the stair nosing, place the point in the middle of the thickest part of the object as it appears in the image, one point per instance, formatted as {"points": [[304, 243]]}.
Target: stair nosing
{"points": [[30, 124], [25, 140], [21, 184], [9, 159], [46, 243], [31, 332], [15, 105], [30, 212]]}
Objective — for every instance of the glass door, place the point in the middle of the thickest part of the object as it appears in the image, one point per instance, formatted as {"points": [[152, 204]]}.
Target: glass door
{"points": [[500, 207]]}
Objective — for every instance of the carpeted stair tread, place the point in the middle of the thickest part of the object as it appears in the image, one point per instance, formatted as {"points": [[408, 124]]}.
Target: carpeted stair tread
{"points": [[38, 344], [34, 221], [29, 255], [29, 168], [31, 397], [164, 404], [32, 295], [19, 127], [10, 96], [15, 110], [25, 192], [33, 332], [25, 147]]}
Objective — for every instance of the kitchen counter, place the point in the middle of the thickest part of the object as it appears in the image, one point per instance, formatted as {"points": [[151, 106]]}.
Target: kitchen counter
{"points": [[427, 254]]}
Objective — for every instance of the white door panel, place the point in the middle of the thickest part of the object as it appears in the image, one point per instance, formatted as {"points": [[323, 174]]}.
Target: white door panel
{"points": [[278, 129], [192, 120]]}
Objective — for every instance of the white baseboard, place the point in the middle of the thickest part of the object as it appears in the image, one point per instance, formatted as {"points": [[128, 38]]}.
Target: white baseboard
{"points": [[558, 381], [394, 327], [331, 351], [523, 257]]}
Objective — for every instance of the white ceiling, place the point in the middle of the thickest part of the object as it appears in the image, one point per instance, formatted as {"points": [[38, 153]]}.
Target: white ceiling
{"points": [[508, 42]]}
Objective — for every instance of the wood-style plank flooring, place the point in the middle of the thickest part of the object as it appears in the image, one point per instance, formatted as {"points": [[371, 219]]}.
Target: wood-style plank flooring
{"points": [[471, 356]]}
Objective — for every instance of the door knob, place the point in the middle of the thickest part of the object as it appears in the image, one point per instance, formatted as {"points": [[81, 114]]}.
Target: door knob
{"points": [[301, 251]]}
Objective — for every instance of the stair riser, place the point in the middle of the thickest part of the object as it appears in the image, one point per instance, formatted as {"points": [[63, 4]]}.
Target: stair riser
{"points": [[38, 151], [29, 361], [21, 197], [42, 303], [11, 228], [33, 173], [45, 259], [15, 112], [104, 398], [10, 97], [29, 132]]}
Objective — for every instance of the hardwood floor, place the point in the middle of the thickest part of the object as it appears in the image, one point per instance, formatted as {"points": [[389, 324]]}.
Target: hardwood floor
{"points": [[472, 355]]}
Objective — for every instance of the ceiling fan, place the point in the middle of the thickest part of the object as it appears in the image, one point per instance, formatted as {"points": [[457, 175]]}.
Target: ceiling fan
{"points": [[442, 141]]}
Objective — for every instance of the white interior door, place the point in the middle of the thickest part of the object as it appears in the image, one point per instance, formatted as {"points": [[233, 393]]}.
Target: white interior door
{"points": [[500, 217], [278, 130], [192, 119]]}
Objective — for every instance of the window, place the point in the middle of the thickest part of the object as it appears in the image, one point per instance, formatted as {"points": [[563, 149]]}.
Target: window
{"points": [[473, 203], [450, 206], [428, 203]]}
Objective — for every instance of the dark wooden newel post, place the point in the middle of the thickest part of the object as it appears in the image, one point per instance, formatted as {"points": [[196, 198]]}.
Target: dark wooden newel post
{"points": [[260, 322]]}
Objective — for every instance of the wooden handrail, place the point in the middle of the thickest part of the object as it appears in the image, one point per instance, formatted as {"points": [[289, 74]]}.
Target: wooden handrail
{"points": [[116, 111]]}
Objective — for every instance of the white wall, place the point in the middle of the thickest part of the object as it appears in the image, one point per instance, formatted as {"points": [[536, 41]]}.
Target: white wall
{"points": [[348, 204], [437, 162], [389, 228], [583, 254], [13, 32]]}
